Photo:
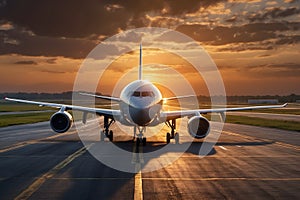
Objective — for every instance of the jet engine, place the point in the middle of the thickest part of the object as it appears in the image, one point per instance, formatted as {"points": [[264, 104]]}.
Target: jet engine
{"points": [[61, 122], [198, 127]]}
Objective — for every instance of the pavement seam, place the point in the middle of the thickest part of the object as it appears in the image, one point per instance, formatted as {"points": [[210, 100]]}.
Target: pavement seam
{"points": [[27, 193]]}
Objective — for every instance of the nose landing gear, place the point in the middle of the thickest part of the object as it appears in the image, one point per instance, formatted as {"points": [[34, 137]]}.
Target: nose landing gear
{"points": [[140, 136]]}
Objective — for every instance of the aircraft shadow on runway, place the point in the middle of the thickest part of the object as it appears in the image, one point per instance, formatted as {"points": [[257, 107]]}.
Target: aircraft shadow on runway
{"points": [[193, 147]]}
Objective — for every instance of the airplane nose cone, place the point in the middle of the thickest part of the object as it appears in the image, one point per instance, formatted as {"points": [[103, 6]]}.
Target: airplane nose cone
{"points": [[140, 116]]}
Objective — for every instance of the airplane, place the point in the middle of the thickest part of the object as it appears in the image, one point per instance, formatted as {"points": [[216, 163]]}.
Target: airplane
{"points": [[140, 105]]}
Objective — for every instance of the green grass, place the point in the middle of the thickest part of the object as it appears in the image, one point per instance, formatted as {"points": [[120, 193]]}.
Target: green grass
{"points": [[279, 111], [9, 120], [14, 107], [279, 124]]}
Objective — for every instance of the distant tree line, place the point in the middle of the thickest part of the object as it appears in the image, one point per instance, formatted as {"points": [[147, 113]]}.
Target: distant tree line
{"points": [[68, 96]]}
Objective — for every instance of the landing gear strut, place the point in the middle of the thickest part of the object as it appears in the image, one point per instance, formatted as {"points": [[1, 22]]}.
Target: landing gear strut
{"points": [[140, 138], [106, 132], [173, 134]]}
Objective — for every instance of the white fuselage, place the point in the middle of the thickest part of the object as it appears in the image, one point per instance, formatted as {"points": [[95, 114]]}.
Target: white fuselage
{"points": [[141, 103]]}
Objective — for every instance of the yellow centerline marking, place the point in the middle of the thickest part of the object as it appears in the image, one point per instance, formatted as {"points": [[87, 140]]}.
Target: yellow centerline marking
{"points": [[137, 159], [138, 185], [48, 175], [282, 144]]}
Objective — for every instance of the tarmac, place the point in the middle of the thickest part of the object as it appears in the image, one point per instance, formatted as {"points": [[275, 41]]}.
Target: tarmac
{"points": [[247, 162]]}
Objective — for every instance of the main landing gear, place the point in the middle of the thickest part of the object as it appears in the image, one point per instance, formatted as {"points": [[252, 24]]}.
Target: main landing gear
{"points": [[139, 137], [173, 135], [106, 132]]}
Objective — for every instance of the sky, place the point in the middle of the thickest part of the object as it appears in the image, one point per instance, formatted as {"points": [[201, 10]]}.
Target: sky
{"points": [[254, 43]]}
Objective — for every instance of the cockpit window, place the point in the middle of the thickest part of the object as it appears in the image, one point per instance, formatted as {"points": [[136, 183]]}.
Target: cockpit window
{"points": [[136, 94], [147, 94], [143, 94]]}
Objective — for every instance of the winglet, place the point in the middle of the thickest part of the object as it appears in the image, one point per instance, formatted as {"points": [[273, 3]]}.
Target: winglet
{"points": [[140, 64], [284, 105]]}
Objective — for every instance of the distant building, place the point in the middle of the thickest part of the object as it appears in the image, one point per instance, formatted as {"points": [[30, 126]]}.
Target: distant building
{"points": [[262, 101]]}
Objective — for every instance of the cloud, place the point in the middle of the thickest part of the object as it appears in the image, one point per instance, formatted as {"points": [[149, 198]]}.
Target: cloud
{"points": [[26, 62], [274, 13], [51, 61], [256, 32], [33, 45], [275, 70], [82, 18]]}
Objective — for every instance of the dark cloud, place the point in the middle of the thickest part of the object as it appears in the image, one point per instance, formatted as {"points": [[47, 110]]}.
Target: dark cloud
{"points": [[274, 13], [276, 70], [68, 18], [32, 45], [51, 61], [288, 40], [232, 19], [264, 55], [246, 47], [82, 18], [26, 62], [255, 32], [52, 71]]}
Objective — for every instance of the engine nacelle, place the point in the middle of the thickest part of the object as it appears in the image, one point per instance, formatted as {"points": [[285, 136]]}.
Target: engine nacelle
{"points": [[61, 122], [198, 127]]}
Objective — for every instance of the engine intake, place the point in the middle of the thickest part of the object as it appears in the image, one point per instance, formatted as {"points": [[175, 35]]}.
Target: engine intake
{"points": [[61, 122], [198, 127]]}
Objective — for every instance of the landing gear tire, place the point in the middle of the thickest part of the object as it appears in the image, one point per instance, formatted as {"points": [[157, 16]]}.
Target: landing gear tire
{"points": [[102, 136], [168, 138], [111, 136], [176, 137], [144, 141], [138, 142]]}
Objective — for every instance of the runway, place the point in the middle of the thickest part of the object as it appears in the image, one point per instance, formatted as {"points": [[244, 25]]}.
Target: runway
{"points": [[246, 163]]}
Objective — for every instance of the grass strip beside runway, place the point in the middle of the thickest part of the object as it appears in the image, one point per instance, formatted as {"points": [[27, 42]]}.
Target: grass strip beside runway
{"points": [[270, 123], [29, 118], [16, 107]]}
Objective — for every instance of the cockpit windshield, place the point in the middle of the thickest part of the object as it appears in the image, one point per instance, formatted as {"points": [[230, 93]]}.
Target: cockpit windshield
{"points": [[143, 94]]}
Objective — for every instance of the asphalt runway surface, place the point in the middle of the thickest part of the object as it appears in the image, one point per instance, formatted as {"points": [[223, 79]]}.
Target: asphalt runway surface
{"points": [[246, 163]]}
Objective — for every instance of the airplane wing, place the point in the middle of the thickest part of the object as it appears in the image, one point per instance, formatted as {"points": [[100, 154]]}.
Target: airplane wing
{"points": [[99, 111], [101, 97], [169, 115], [178, 97]]}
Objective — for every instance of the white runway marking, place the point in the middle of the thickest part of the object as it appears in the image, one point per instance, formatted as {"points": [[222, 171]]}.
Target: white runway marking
{"points": [[223, 148]]}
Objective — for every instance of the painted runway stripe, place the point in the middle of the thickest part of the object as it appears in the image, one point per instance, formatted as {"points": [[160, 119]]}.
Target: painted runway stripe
{"points": [[138, 186], [22, 144], [29, 142], [138, 159], [223, 148], [39, 182]]}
